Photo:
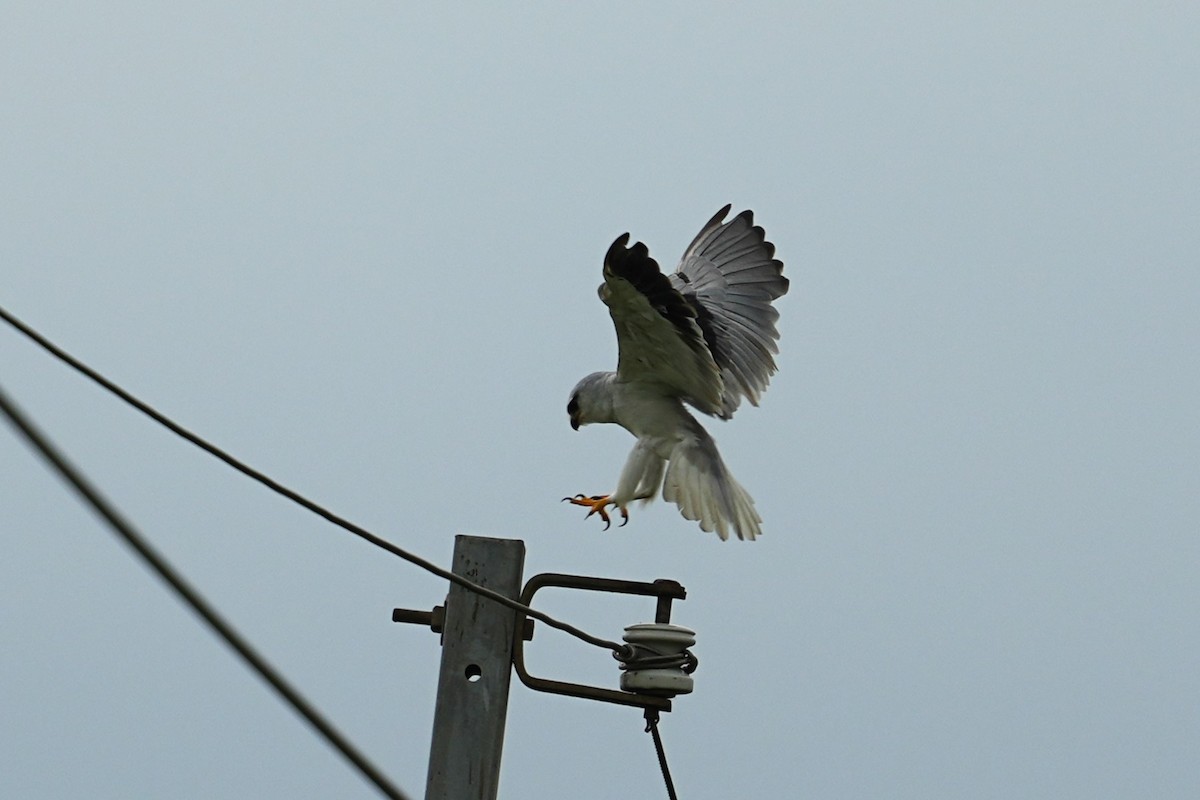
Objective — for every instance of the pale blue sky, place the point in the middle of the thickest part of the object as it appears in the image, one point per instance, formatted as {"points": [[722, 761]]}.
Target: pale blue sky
{"points": [[358, 246]]}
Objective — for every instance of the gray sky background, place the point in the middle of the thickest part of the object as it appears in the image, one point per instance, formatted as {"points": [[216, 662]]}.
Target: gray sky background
{"points": [[358, 245]]}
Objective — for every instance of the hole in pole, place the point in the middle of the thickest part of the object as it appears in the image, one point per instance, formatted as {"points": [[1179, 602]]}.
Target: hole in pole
{"points": [[473, 672]]}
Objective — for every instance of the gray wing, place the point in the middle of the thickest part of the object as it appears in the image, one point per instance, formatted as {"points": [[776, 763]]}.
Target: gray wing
{"points": [[659, 337], [730, 276]]}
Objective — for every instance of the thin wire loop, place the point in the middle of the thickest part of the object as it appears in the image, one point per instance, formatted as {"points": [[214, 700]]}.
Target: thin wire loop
{"points": [[193, 598], [643, 657], [295, 497]]}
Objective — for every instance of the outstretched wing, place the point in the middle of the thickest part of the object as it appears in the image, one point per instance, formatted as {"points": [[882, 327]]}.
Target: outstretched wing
{"points": [[659, 338], [730, 276]]}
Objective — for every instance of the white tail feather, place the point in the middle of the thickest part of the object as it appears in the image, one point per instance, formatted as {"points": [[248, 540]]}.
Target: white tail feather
{"points": [[699, 483]]}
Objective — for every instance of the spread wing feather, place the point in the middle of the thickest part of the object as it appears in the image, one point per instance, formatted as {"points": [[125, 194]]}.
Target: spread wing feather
{"points": [[658, 338], [706, 334], [730, 274]]}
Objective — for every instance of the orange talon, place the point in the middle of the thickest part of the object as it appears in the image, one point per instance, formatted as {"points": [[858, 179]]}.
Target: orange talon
{"points": [[597, 504]]}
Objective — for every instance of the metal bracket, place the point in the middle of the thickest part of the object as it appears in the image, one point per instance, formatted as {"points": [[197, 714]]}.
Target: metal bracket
{"points": [[435, 619], [664, 590]]}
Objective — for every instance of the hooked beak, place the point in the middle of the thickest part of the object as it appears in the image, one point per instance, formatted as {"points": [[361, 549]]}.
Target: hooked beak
{"points": [[575, 422]]}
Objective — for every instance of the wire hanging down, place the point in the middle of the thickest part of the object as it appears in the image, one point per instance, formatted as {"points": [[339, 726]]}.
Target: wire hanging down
{"points": [[618, 649], [652, 729], [192, 597]]}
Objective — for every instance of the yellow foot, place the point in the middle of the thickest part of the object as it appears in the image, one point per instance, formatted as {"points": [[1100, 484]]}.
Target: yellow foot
{"points": [[597, 503]]}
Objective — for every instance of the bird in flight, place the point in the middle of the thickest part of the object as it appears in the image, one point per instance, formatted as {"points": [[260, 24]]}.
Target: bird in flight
{"points": [[704, 336]]}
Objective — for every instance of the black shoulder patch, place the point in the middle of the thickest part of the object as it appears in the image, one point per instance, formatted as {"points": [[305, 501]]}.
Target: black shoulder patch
{"points": [[635, 265]]}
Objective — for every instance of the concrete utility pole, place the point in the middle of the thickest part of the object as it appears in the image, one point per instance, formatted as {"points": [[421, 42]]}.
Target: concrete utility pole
{"points": [[472, 696]]}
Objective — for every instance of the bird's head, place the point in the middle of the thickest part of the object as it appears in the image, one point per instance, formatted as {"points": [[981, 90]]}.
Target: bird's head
{"points": [[591, 400], [573, 411]]}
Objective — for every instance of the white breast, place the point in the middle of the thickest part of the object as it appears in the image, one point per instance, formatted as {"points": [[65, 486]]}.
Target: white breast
{"points": [[648, 414]]}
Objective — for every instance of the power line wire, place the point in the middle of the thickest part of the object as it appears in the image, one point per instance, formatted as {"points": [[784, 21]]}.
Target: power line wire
{"points": [[192, 597], [652, 728], [619, 649]]}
